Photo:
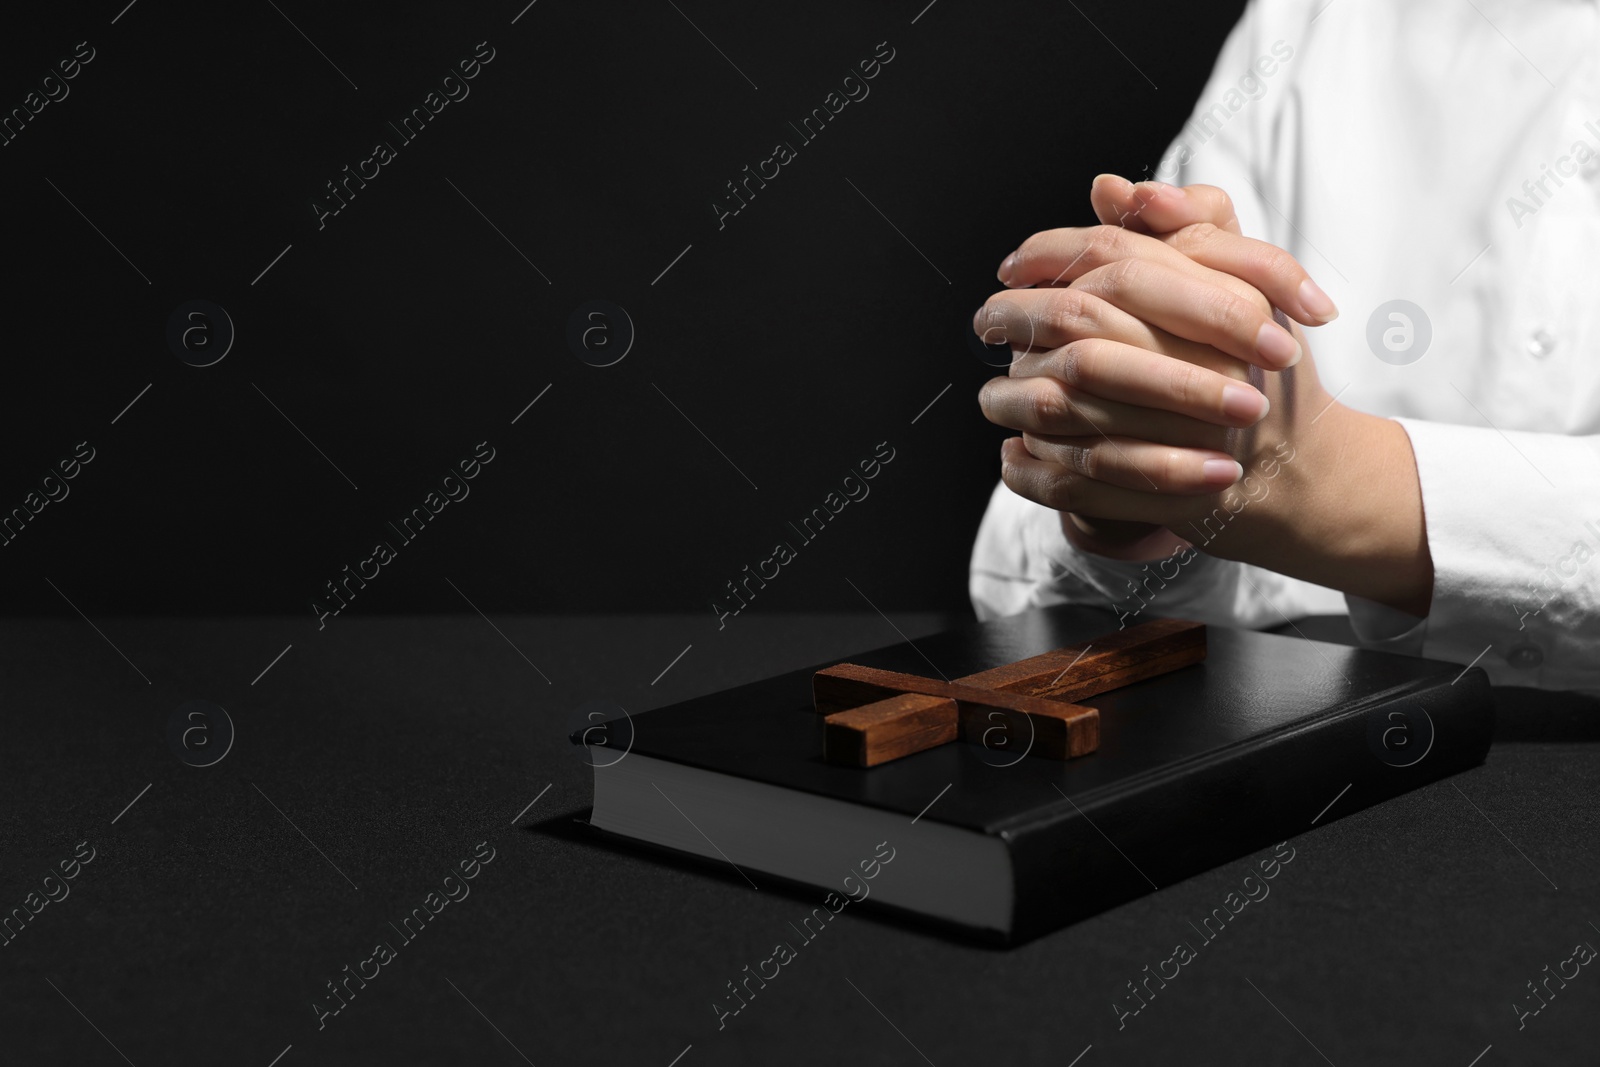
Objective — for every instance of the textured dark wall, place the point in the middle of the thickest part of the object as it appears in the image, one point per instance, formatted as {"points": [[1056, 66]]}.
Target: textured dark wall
{"points": [[783, 345]]}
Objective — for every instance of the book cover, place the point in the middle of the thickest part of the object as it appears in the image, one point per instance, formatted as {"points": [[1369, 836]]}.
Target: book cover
{"points": [[1267, 737]]}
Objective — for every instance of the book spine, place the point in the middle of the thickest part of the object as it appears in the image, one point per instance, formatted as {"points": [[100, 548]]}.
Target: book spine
{"points": [[1085, 859]]}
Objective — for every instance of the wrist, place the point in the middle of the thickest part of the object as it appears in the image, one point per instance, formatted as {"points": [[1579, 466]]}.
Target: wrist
{"points": [[1380, 512], [1346, 512], [1120, 540]]}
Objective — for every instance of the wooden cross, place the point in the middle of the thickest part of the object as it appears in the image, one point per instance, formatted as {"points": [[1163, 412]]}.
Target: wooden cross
{"points": [[873, 716]]}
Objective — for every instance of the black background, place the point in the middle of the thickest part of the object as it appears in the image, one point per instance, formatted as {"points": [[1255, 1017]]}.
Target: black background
{"points": [[407, 330]]}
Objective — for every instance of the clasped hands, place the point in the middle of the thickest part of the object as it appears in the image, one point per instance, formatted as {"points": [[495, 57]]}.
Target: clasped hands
{"points": [[1162, 393]]}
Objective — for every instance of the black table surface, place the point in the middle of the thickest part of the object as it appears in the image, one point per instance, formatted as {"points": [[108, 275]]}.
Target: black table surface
{"points": [[374, 756]]}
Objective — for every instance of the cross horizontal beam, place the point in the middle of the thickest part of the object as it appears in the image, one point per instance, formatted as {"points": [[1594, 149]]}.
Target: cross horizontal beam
{"points": [[1059, 729], [874, 716]]}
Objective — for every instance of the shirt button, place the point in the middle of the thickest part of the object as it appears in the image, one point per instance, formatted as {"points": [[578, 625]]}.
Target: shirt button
{"points": [[1541, 343], [1524, 656]]}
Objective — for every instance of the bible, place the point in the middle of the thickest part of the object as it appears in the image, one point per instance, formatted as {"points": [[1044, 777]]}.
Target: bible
{"points": [[1252, 739]]}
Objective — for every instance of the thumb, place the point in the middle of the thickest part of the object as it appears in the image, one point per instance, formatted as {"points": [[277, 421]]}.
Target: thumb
{"points": [[1200, 222], [1155, 207]]}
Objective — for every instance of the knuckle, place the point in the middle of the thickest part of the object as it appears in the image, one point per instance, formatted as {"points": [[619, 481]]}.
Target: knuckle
{"points": [[1076, 360], [1107, 243], [1283, 272], [1274, 262], [1171, 467], [1067, 309], [1123, 274], [1057, 494], [1230, 315], [1249, 294], [1047, 405], [1266, 264], [1082, 459], [1196, 236], [1053, 491], [1185, 382]]}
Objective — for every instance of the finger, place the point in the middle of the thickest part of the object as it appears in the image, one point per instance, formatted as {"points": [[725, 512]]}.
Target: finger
{"points": [[1122, 372], [1135, 463], [1030, 320], [1060, 256], [1199, 221], [1052, 257], [1063, 489], [1044, 406], [1156, 207], [1025, 364], [1050, 318], [1115, 204], [1277, 274], [1193, 307]]}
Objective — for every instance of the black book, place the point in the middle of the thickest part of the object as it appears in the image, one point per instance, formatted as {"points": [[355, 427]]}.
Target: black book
{"points": [[1268, 737]]}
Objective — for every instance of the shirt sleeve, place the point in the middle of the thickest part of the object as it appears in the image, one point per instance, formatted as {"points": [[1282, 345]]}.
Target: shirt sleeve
{"points": [[1513, 524], [1022, 559]]}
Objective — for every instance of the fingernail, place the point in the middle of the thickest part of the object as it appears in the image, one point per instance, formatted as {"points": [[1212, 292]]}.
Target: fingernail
{"points": [[1221, 471], [1314, 300], [1008, 264], [1155, 188], [1244, 404], [978, 320], [1274, 343], [1108, 178]]}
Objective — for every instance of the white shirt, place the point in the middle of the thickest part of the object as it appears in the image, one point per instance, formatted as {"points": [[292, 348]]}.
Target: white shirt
{"points": [[1386, 146]]}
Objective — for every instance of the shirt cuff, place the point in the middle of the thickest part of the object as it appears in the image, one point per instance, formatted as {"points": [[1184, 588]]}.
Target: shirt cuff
{"points": [[1021, 559], [1382, 627], [1512, 520]]}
